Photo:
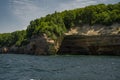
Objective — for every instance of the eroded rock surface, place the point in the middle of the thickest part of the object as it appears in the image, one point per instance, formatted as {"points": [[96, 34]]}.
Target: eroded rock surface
{"points": [[37, 45], [91, 45]]}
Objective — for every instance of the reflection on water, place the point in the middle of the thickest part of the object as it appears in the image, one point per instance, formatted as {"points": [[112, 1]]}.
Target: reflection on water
{"points": [[27, 67]]}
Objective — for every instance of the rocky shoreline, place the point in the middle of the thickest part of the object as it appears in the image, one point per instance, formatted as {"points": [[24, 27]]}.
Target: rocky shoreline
{"points": [[71, 44]]}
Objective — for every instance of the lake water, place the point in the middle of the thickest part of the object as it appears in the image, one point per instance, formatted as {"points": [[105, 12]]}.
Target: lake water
{"points": [[29, 67]]}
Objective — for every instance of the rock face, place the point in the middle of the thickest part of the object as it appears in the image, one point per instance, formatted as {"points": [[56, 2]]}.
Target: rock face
{"points": [[37, 46], [91, 45], [4, 50], [71, 44]]}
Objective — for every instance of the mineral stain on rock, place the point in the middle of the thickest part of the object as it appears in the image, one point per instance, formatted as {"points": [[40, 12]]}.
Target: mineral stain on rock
{"points": [[91, 45]]}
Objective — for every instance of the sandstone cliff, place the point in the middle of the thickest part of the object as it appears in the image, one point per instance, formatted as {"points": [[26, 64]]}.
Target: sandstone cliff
{"points": [[91, 45], [87, 39]]}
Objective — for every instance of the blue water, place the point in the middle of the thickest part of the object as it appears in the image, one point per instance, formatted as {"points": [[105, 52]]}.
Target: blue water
{"points": [[29, 67]]}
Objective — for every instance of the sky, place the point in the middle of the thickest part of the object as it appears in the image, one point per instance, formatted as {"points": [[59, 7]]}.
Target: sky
{"points": [[16, 14]]}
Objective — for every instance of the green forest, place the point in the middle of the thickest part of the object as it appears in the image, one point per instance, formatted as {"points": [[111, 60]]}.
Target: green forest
{"points": [[56, 24]]}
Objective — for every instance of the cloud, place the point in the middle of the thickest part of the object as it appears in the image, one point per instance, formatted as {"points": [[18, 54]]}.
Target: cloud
{"points": [[76, 4], [29, 9], [26, 10]]}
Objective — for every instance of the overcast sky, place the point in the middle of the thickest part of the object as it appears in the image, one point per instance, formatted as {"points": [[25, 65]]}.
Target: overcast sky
{"points": [[16, 14]]}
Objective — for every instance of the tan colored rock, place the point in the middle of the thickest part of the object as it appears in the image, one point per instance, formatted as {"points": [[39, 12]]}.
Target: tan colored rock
{"points": [[5, 50]]}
